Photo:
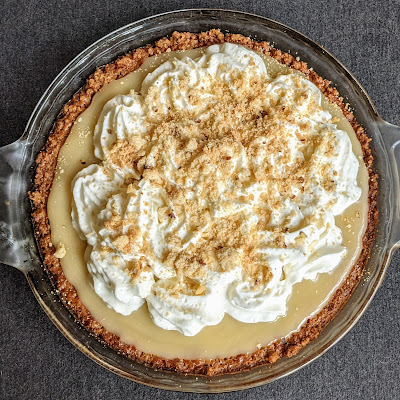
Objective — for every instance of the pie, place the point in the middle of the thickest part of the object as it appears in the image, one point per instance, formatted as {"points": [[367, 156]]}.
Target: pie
{"points": [[205, 204]]}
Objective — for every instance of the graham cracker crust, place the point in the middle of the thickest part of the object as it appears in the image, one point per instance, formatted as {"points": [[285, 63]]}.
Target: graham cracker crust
{"points": [[46, 162]]}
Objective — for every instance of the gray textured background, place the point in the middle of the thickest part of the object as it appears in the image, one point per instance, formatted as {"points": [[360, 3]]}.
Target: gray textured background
{"points": [[37, 40]]}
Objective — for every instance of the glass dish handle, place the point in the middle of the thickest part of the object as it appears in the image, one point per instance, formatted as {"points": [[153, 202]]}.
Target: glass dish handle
{"points": [[13, 246], [391, 138]]}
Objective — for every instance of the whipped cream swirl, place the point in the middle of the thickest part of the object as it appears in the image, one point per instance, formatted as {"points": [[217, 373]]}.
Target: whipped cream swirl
{"points": [[217, 191]]}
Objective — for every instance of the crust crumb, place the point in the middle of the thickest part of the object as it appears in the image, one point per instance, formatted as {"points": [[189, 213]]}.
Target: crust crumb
{"points": [[60, 250]]}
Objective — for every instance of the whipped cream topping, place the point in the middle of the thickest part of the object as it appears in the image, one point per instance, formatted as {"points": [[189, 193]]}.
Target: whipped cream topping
{"points": [[217, 191]]}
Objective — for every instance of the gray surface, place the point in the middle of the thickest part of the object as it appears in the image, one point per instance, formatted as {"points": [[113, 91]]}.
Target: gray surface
{"points": [[38, 40]]}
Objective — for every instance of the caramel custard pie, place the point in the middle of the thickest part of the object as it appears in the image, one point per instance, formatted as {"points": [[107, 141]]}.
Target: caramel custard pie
{"points": [[205, 204]]}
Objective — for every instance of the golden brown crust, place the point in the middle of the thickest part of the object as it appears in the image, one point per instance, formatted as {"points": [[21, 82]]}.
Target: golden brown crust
{"points": [[46, 165]]}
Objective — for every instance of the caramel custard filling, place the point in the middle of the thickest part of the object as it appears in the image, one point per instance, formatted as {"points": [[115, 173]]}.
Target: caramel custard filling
{"points": [[138, 328]]}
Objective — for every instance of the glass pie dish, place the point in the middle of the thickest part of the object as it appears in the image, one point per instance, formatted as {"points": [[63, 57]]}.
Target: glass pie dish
{"points": [[18, 247]]}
